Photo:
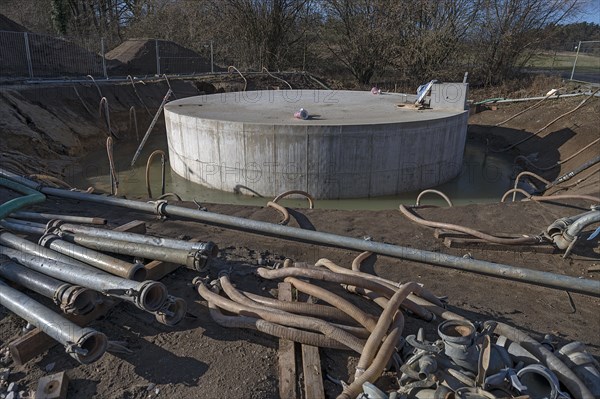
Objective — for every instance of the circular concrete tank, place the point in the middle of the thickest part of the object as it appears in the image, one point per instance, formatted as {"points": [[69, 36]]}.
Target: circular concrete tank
{"points": [[354, 145]]}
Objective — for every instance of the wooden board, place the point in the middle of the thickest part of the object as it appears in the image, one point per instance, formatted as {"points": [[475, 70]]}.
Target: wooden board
{"points": [[157, 269], [313, 376], [287, 355]]}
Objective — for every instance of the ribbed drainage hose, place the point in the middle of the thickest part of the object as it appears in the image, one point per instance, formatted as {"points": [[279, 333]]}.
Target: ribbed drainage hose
{"points": [[231, 67], [562, 161], [311, 200], [282, 210], [138, 95], [581, 104], [162, 171], [303, 308], [382, 358], [383, 324], [475, 233], [526, 173], [275, 77], [307, 309], [287, 319], [114, 179], [431, 191], [276, 330], [548, 198], [133, 116], [364, 319]]}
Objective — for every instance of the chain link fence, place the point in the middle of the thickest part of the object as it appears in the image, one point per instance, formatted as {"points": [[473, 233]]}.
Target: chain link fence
{"points": [[35, 56]]}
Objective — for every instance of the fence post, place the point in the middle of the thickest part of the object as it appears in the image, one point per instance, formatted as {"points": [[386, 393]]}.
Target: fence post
{"points": [[575, 62], [103, 58], [157, 58], [212, 60], [28, 53]]}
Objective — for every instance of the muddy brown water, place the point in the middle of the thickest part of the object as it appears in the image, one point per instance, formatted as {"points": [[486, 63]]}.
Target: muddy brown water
{"points": [[484, 178]]}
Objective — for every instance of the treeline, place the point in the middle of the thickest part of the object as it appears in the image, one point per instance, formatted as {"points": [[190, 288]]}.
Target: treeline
{"points": [[567, 37], [369, 40]]}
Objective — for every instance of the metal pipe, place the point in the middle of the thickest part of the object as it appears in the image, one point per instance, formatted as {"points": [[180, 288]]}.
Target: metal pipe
{"points": [[521, 274], [196, 260], [21, 244], [72, 299], [83, 344], [209, 248], [22, 227], [51, 216], [132, 271], [30, 197], [146, 295]]}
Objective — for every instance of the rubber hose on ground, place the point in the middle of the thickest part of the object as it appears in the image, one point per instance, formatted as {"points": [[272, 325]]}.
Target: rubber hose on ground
{"points": [[388, 348], [276, 330], [287, 319], [366, 320], [385, 320], [467, 230]]}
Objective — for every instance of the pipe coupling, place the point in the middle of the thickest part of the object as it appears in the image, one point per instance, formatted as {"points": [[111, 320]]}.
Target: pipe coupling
{"points": [[73, 299], [89, 347], [172, 312]]}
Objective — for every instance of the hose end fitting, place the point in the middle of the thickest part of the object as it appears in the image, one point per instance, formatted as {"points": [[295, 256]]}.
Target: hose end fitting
{"points": [[90, 346], [172, 312]]}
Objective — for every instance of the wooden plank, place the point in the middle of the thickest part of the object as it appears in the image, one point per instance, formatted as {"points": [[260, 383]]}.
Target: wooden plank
{"points": [[287, 355], [135, 226], [157, 269], [475, 243], [313, 377], [36, 342]]}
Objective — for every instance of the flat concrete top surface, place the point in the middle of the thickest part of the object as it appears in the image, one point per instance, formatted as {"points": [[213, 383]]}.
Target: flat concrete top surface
{"points": [[325, 107]]}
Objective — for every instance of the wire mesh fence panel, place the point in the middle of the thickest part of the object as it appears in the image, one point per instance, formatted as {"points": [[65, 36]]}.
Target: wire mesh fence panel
{"points": [[57, 57], [586, 61], [175, 59], [13, 56]]}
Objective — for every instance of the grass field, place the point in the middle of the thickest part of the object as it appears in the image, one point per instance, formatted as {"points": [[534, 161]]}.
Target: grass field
{"points": [[564, 61]]}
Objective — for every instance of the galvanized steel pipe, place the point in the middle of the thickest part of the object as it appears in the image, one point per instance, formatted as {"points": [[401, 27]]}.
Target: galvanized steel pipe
{"points": [[146, 295], [524, 275], [83, 344], [132, 271], [52, 216], [209, 248], [72, 299], [196, 260]]}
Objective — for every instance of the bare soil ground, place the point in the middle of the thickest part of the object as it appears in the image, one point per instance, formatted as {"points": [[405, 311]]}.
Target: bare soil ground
{"points": [[200, 359]]}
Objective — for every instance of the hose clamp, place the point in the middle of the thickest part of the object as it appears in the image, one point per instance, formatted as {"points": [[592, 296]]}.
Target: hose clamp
{"points": [[159, 208]]}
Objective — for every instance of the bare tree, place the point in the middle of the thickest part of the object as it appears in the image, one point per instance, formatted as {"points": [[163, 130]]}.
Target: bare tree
{"points": [[508, 33]]}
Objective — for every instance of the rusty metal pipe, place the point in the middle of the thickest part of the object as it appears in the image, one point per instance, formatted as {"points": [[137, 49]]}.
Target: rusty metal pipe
{"points": [[72, 299], [83, 344]]}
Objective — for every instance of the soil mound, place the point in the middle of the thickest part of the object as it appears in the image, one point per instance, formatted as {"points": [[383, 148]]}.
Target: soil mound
{"points": [[8, 24], [138, 56]]}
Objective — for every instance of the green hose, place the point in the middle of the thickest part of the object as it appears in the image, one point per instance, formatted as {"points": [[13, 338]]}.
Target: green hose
{"points": [[488, 100], [31, 197]]}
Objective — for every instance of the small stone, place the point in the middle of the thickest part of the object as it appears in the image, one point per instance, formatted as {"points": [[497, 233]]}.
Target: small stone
{"points": [[151, 387], [157, 391], [50, 367], [12, 395], [4, 374], [12, 387]]}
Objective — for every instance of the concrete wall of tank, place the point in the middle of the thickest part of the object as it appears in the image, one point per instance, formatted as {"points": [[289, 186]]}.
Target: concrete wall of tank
{"points": [[329, 162]]}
